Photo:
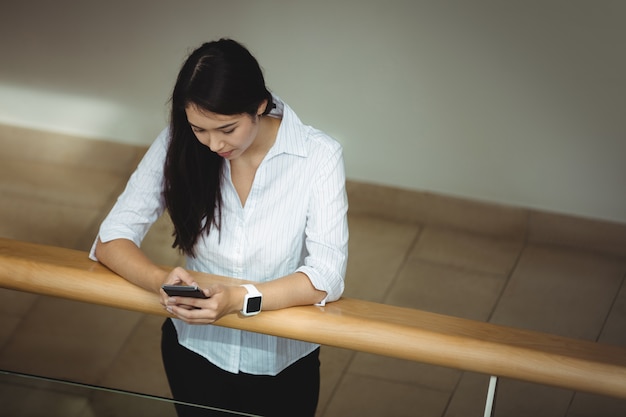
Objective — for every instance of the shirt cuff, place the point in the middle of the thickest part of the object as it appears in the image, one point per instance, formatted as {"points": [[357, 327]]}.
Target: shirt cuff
{"points": [[332, 286]]}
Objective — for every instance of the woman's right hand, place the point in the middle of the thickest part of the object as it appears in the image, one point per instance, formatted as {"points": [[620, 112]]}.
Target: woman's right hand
{"points": [[177, 276], [221, 300]]}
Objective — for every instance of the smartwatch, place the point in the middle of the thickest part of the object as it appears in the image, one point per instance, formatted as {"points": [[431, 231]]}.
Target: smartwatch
{"points": [[252, 301]]}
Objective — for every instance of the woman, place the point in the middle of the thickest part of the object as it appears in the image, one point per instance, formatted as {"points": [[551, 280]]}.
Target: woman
{"points": [[253, 194]]}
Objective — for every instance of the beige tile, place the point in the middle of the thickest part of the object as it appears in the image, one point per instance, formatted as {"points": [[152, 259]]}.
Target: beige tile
{"points": [[588, 234], [87, 412], [8, 325], [370, 397], [614, 330], [446, 290], [333, 364], [60, 184], [406, 372], [436, 209], [588, 405], [14, 305], [467, 251], [68, 339], [469, 397], [376, 251], [516, 398], [513, 398], [138, 366], [19, 143], [568, 293], [32, 220]]}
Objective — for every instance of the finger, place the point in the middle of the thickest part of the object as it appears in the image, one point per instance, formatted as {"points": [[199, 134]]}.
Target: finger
{"points": [[178, 305], [191, 315], [184, 276], [187, 301]]}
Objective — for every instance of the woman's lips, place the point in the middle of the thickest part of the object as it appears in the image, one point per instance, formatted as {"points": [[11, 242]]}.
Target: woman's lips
{"points": [[225, 154]]}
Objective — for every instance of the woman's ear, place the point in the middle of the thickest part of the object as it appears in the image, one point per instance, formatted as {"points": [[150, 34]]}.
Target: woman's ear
{"points": [[262, 108]]}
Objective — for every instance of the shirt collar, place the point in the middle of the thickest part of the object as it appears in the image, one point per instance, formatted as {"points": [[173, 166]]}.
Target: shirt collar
{"points": [[292, 134]]}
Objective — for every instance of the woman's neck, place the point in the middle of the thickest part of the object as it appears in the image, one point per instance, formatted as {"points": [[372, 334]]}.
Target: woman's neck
{"points": [[265, 139]]}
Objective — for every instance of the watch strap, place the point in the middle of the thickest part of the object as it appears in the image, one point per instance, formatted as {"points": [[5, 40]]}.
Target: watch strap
{"points": [[252, 300]]}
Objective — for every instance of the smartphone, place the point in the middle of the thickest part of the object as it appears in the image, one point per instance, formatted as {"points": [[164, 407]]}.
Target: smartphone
{"points": [[183, 291]]}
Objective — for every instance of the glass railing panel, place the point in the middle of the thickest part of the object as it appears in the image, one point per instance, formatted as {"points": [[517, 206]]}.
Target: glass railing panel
{"points": [[23, 395]]}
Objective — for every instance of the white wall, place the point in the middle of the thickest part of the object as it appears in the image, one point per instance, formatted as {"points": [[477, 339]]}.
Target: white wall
{"points": [[517, 102]]}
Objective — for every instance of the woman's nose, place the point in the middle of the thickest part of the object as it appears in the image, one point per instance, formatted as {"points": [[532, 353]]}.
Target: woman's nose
{"points": [[216, 145], [212, 143]]}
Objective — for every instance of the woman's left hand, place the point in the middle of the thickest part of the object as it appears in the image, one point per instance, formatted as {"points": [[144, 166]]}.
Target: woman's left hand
{"points": [[222, 300]]}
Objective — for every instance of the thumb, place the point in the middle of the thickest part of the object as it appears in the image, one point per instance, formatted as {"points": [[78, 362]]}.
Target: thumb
{"points": [[183, 276]]}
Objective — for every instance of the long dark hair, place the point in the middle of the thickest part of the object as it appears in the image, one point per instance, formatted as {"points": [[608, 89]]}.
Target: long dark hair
{"points": [[220, 77]]}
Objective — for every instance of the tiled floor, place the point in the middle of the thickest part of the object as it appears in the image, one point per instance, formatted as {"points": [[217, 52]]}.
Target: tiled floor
{"points": [[56, 190]]}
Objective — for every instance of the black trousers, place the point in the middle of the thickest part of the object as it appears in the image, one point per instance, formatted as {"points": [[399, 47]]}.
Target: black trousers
{"points": [[193, 379]]}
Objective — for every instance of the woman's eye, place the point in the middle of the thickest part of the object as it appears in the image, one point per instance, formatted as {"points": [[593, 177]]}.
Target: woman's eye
{"points": [[228, 132]]}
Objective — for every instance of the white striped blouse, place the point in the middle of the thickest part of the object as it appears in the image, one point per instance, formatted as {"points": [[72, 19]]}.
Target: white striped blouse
{"points": [[294, 219]]}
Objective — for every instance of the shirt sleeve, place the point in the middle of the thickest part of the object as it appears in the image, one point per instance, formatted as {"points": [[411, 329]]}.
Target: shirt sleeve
{"points": [[141, 203], [327, 229]]}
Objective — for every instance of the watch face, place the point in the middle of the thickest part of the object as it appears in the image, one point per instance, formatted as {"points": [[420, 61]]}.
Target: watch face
{"points": [[254, 304]]}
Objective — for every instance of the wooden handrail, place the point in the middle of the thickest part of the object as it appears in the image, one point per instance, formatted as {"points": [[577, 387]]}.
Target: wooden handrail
{"points": [[348, 323]]}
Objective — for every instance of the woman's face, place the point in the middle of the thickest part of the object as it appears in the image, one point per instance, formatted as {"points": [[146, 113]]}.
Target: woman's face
{"points": [[230, 136]]}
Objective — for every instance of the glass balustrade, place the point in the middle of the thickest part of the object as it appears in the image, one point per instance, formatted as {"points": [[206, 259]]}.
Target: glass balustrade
{"points": [[23, 395]]}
